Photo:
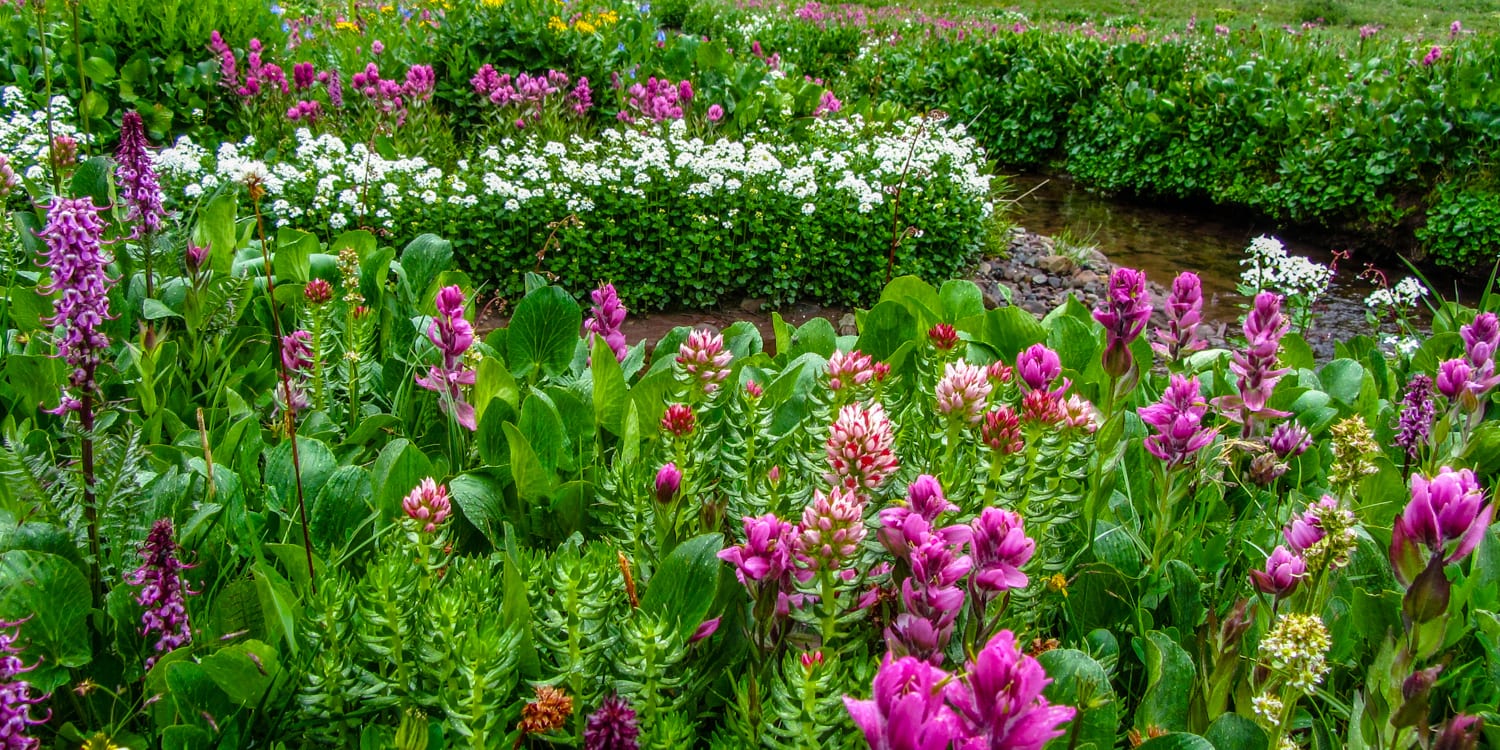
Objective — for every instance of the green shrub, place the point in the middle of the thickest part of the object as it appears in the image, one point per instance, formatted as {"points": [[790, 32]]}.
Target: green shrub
{"points": [[1463, 226]]}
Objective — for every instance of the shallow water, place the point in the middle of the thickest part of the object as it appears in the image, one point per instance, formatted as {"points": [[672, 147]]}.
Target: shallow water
{"points": [[1163, 240]]}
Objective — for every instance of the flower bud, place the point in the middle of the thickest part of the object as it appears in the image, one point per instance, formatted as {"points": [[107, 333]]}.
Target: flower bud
{"points": [[668, 481]]}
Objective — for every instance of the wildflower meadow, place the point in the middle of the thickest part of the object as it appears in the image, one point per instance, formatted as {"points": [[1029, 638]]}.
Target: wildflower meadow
{"points": [[322, 421]]}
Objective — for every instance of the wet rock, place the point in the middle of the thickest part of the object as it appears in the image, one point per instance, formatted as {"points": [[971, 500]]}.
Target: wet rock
{"points": [[1056, 264], [1039, 279], [848, 325], [1085, 278]]}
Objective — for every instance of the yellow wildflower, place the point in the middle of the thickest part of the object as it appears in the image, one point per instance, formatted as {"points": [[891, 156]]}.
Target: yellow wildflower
{"points": [[556, 24], [346, 26], [492, 3]]}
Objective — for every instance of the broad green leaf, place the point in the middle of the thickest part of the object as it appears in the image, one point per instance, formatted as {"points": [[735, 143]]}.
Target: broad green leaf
{"points": [[683, 587], [816, 335], [960, 298], [317, 464], [95, 178], [481, 499], [1342, 379], [1074, 342], [543, 428], [341, 506], [293, 260], [1177, 741], [27, 308], [37, 379], [917, 297], [516, 609], [533, 481], [279, 605], [1079, 681], [543, 333], [400, 467], [53, 597], [610, 392], [1011, 329], [215, 230], [1169, 684], [245, 671], [1235, 732], [886, 327], [423, 259]]}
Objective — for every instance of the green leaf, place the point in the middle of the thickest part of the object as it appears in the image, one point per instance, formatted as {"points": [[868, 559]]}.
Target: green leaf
{"points": [[423, 259], [215, 230], [293, 260], [246, 671], [37, 379], [28, 307], [399, 467], [1235, 732], [683, 587], [543, 428], [1079, 681], [317, 463], [610, 391], [186, 737], [52, 596], [816, 336], [95, 179], [886, 327], [543, 333], [533, 481], [340, 507], [278, 604], [98, 70], [516, 609], [1177, 741], [1074, 342], [917, 297], [1010, 329], [154, 309], [960, 298], [1169, 684], [1342, 379], [482, 501], [1185, 599]]}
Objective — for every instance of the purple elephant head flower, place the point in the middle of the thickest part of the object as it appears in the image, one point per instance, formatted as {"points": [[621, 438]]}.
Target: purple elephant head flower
{"points": [[908, 711], [1448, 515], [1124, 313], [163, 593], [1000, 703], [1178, 422], [76, 259], [16, 701], [139, 188], [1417, 412]]}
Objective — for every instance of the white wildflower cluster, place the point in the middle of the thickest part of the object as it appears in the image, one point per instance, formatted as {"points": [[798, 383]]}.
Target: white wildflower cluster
{"points": [[1268, 266], [1403, 346], [23, 130], [842, 166], [1297, 646], [1401, 297], [1268, 709]]}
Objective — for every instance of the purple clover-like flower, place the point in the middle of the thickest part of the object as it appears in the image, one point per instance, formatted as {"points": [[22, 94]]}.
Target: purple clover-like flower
{"points": [[1417, 412], [1000, 703], [1178, 422], [163, 593], [1284, 570], [703, 358], [1289, 440], [16, 700], [1184, 313], [612, 726], [849, 369], [1454, 378], [76, 259], [1124, 313], [832, 527], [1306, 530], [452, 334], [605, 319], [907, 711], [139, 187], [1448, 514], [1256, 364]]}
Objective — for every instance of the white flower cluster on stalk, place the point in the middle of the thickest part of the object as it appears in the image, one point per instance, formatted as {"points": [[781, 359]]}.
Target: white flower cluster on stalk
{"points": [[1269, 267], [1403, 296], [23, 130]]}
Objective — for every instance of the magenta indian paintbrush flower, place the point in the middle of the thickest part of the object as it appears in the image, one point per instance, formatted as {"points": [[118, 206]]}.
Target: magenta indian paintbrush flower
{"points": [[703, 358], [76, 259], [833, 525], [860, 447], [612, 727], [296, 357], [1124, 313], [428, 505], [766, 553], [999, 548], [1039, 367], [1454, 378], [1481, 343], [139, 188], [999, 700], [1306, 530], [668, 481], [605, 319], [452, 334], [16, 701], [1448, 514], [907, 711], [903, 527], [1284, 570], [163, 593], [932, 598], [1417, 412], [1178, 422], [1255, 366], [1184, 313], [962, 391]]}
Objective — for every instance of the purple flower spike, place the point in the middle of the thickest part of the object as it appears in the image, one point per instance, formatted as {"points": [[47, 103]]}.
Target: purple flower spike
{"points": [[1178, 421], [16, 700], [1481, 343], [1184, 314], [1124, 314], [1283, 571], [163, 593], [1000, 701], [1000, 548], [452, 334], [1290, 440], [139, 187], [1448, 514], [76, 259], [907, 711], [1415, 423]]}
